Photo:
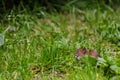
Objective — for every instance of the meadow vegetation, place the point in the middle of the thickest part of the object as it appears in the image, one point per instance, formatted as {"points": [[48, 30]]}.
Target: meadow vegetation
{"points": [[36, 45]]}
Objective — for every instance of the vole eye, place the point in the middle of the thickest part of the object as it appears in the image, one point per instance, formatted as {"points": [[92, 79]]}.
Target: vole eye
{"points": [[78, 57]]}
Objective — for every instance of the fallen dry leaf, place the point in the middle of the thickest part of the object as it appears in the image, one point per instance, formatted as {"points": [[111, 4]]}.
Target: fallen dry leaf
{"points": [[35, 69]]}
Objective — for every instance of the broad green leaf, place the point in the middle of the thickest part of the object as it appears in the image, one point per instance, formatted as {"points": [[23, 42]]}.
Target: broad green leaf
{"points": [[115, 78], [102, 62], [12, 28], [1, 39], [115, 68]]}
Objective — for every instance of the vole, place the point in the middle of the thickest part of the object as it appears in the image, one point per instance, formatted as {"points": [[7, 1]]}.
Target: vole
{"points": [[81, 52]]}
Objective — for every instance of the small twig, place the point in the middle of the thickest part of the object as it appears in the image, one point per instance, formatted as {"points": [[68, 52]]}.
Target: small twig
{"points": [[6, 30]]}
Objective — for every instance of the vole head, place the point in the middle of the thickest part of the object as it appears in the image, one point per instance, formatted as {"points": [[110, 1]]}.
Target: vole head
{"points": [[81, 52]]}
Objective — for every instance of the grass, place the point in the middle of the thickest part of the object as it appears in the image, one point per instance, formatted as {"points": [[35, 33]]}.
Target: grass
{"points": [[43, 49]]}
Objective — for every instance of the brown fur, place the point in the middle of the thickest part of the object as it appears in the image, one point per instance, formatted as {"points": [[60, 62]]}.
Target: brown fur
{"points": [[84, 51]]}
